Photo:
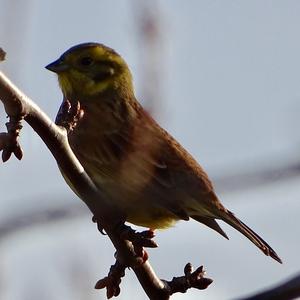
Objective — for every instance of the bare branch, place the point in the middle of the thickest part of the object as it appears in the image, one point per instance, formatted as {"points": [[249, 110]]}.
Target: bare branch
{"points": [[286, 291], [112, 281], [191, 279]]}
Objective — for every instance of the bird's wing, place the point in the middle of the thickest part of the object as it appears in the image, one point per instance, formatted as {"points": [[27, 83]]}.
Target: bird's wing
{"points": [[183, 169], [153, 153], [162, 166]]}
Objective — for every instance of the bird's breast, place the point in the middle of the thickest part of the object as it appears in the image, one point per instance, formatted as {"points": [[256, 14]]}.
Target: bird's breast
{"points": [[107, 148]]}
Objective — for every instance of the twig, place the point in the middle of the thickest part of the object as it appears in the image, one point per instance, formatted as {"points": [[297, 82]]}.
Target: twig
{"points": [[286, 291], [191, 279], [112, 281]]}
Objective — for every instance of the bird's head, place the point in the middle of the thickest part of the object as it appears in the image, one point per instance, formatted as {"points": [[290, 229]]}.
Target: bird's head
{"points": [[89, 69]]}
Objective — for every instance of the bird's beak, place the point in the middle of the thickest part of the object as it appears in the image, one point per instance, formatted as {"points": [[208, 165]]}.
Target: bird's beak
{"points": [[57, 66]]}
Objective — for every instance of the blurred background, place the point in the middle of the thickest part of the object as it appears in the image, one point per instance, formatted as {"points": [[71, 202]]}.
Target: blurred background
{"points": [[223, 78]]}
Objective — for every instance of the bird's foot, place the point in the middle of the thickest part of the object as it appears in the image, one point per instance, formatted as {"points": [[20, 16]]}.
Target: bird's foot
{"points": [[69, 114], [139, 240], [9, 140], [191, 279], [142, 239], [112, 281]]}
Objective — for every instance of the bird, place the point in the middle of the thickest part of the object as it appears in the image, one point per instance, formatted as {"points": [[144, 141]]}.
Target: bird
{"points": [[143, 171]]}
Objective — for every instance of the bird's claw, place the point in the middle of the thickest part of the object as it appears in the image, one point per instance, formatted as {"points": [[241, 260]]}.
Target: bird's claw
{"points": [[139, 240], [100, 228]]}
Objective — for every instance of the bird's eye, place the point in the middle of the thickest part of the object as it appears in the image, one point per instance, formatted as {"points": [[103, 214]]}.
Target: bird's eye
{"points": [[86, 61]]}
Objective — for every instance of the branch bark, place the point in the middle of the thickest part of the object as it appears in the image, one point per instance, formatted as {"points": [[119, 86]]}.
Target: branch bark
{"points": [[286, 291], [18, 107]]}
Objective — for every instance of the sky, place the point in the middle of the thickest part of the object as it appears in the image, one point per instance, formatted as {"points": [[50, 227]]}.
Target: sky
{"points": [[229, 92]]}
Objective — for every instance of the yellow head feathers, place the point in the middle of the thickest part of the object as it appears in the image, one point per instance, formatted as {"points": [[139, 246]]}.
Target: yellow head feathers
{"points": [[90, 69]]}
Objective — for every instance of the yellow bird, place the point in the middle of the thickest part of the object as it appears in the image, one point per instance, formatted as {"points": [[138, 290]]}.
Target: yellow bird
{"points": [[145, 173]]}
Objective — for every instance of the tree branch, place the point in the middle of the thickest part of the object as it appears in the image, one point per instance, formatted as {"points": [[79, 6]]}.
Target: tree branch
{"points": [[18, 107], [286, 291]]}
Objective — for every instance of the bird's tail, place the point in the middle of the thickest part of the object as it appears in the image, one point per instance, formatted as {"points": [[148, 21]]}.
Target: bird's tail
{"points": [[232, 220]]}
